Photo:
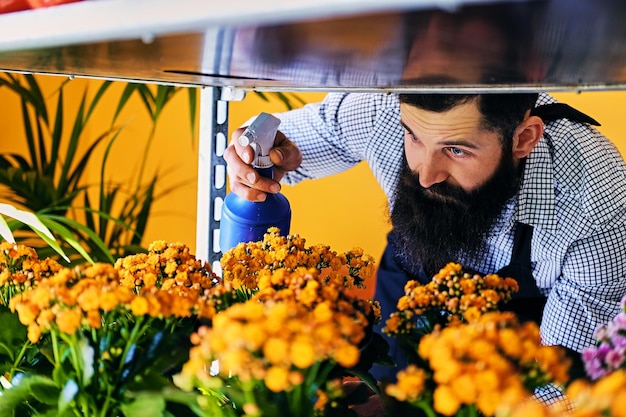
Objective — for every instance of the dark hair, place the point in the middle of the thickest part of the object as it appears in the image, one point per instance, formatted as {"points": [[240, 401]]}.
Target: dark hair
{"points": [[501, 113]]}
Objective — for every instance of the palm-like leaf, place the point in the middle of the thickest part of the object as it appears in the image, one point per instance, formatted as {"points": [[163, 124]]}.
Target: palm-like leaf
{"points": [[49, 178]]}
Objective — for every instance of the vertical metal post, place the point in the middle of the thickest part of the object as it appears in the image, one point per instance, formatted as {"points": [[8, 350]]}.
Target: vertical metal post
{"points": [[213, 139]]}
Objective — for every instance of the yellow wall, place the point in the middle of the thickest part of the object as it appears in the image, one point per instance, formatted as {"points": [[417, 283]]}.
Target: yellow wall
{"points": [[343, 211]]}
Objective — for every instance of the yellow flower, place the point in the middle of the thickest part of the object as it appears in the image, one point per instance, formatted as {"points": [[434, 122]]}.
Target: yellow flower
{"points": [[89, 298], [323, 312], [254, 335], [34, 333], [276, 350], [94, 319], [347, 355], [68, 320], [410, 384], [139, 306], [277, 379], [27, 313], [444, 401], [302, 353], [464, 388], [617, 406]]}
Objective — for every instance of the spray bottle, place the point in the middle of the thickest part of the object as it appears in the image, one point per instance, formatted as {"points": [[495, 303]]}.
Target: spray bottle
{"points": [[247, 221]]}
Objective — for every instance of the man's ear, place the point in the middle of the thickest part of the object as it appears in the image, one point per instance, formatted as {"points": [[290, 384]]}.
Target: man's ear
{"points": [[527, 136]]}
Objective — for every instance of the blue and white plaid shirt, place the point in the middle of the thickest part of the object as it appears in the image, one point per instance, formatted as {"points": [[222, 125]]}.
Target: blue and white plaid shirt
{"points": [[573, 194]]}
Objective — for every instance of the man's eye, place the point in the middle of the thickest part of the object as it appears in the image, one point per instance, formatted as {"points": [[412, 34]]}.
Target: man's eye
{"points": [[457, 151]]}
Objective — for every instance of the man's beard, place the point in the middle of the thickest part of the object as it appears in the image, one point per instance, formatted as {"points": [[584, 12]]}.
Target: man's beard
{"points": [[435, 226]]}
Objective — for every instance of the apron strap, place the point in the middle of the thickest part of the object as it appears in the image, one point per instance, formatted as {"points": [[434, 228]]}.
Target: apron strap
{"points": [[555, 111], [528, 302]]}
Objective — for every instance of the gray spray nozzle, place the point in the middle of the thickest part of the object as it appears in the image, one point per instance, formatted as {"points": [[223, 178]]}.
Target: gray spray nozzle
{"points": [[260, 135]]}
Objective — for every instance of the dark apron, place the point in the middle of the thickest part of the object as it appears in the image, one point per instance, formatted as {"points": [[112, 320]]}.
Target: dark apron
{"points": [[528, 303]]}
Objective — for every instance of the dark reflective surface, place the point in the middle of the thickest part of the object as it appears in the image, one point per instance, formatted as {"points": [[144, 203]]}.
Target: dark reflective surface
{"points": [[524, 45]]}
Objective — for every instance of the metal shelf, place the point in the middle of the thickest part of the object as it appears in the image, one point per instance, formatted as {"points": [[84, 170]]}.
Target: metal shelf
{"points": [[326, 45]]}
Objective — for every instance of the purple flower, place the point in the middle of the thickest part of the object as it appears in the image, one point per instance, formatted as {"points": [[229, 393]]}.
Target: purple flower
{"points": [[610, 350], [614, 359], [589, 354], [619, 341], [603, 350], [620, 321], [594, 368]]}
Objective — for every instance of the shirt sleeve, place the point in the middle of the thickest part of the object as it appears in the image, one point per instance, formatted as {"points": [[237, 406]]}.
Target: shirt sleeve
{"points": [[588, 291], [343, 130]]}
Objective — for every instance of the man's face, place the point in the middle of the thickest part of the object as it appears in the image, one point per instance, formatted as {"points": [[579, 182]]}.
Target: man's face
{"points": [[456, 181], [449, 149]]}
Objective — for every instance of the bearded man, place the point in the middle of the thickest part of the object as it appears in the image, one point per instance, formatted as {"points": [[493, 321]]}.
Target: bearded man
{"points": [[514, 184]]}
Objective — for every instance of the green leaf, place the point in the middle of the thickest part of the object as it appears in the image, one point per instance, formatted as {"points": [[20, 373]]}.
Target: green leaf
{"points": [[25, 391], [193, 106], [126, 94], [46, 393], [35, 223], [144, 405], [13, 334], [54, 223], [29, 219], [5, 231]]}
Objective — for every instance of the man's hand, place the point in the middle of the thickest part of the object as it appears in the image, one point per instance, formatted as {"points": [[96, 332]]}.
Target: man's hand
{"points": [[370, 406], [245, 181]]}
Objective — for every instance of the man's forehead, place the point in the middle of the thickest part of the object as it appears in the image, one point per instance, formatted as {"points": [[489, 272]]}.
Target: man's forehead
{"points": [[465, 115]]}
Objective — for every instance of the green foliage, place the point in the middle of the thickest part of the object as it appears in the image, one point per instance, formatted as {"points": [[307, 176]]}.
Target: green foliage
{"points": [[49, 180]]}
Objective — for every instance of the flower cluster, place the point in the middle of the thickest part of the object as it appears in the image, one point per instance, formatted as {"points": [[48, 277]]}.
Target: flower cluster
{"points": [[166, 265], [248, 262], [81, 298], [171, 268], [165, 282], [107, 326], [609, 353], [452, 295], [487, 363], [296, 335], [21, 269]]}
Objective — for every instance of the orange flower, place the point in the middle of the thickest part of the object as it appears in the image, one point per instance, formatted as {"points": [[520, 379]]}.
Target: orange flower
{"points": [[444, 401], [347, 355], [27, 313], [276, 350], [139, 306], [89, 298], [410, 384], [277, 379], [68, 320], [302, 353], [34, 333]]}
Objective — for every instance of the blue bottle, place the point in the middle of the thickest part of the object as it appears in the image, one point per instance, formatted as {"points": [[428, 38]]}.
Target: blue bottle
{"points": [[247, 221]]}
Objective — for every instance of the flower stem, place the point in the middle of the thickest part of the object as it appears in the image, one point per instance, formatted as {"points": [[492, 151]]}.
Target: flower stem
{"points": [[18, 359], [55, 349], [425, 407], [75, 357]]}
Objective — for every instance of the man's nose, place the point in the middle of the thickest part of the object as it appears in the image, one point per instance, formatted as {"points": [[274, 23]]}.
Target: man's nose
{"points": [[432, 171]]}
